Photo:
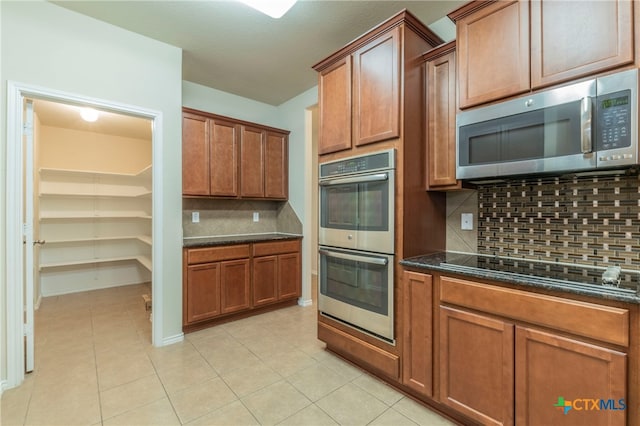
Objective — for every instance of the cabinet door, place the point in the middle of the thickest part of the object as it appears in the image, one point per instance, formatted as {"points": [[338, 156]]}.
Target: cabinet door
{"points": [[376, 91], [289, 276], [598, 36], [224, 158], [553, 371], [195, 155], [441, 122], [335, 107], [265, 280], [493, 52], [417, 372], [477, 366], [203, 292], [234, 286], [276, 166], [251, 162]]}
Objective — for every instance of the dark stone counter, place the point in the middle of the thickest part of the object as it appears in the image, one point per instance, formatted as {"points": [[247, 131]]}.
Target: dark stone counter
{"points": [[195, 242], [570, 278]]}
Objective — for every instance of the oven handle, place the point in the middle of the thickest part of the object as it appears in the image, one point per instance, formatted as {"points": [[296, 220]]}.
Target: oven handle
{"points": [[345, 256], [358, 179]]}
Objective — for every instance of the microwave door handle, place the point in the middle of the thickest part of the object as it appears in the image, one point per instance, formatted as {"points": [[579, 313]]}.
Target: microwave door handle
{"points": [[586, 115], [345, 256], [358, 179]]}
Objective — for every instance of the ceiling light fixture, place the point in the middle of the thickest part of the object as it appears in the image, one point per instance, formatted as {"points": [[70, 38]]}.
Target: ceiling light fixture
{"points": [[273, 8], [89, 114]]}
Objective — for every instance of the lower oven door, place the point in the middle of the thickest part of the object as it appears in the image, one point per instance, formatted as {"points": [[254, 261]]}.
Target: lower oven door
{"points": [[356, 288]]}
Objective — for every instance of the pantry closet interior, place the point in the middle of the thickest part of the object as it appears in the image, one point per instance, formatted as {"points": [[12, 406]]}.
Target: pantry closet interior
{"points": [[92, 200]]}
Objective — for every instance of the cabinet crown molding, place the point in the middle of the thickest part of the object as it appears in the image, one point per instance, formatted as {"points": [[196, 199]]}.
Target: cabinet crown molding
{"points": [[468, 9], [441, 50], [404, 17], [235, 120]]}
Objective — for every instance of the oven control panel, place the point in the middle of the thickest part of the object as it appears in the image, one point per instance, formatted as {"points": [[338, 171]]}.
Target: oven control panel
{"points": [[378, 161]]}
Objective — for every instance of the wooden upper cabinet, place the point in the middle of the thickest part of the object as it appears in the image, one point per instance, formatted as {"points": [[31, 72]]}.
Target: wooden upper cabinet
{"points": [[493, 52], [506, 48], [574, 39], [251, 162], [371, 90], [224, 158], [441, 118], [335, 107], [549, 366], [195, 155], [276, 161], [376, 89]]}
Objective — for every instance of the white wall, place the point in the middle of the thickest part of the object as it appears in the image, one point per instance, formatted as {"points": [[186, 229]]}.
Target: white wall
{"points": [[293, 116], [218, 102], [48, 46]]}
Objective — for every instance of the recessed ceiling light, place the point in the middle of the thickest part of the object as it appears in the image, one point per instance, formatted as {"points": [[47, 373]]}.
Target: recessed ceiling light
{"points": [[89, 114], [273, 8]]}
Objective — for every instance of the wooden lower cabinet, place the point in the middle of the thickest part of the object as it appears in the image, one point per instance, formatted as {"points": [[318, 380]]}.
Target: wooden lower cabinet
{"points": [[234, 286], [417, 362], [265, 280], [220, 281], [289, 275], [276, 276], [552, 370], [202, 292], [477, 366], [497, 373]]}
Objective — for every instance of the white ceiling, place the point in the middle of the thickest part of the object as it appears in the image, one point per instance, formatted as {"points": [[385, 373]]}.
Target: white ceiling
{"points": [[230, 47], [68, 117]]}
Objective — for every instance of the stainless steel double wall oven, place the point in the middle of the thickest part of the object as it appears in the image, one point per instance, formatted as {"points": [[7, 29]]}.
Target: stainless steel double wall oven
{"points": [[356, 239]]}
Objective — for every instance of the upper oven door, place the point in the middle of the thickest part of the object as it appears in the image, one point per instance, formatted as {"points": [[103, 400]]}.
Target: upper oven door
{"points": [[547, 132], [357, 212]]}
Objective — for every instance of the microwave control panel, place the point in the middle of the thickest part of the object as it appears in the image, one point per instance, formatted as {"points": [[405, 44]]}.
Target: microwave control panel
{"points": [[614, 121]]}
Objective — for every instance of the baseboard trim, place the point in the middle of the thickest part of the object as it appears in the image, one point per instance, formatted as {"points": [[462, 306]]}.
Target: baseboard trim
{"points": [[173, 339], [305, 302], [3, 386], [36, 306]]}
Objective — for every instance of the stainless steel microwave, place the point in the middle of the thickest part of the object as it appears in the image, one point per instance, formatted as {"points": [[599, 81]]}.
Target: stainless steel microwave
{"points": [[583, 126]]}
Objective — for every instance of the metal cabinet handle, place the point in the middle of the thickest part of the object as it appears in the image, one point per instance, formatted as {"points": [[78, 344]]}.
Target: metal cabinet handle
{"points": [[358, 179], [586, 113], [364, 259]]}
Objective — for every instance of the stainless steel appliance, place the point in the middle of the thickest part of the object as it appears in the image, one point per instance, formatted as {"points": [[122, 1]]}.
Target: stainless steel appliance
{"points": [[356, 238], [357, 202], [583, 126], [357, 288]]}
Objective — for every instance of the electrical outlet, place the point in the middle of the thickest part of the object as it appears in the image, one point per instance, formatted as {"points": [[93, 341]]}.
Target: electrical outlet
{"points": [[466, 221], [256, 216], [195, 217]]}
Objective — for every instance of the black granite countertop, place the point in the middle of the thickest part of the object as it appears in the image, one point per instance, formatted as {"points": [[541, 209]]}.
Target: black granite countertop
{"points": [[577, 279], [221, 240]]}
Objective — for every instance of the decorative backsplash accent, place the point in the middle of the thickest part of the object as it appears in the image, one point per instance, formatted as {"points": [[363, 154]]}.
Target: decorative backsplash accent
{"points": [[588, 220]]}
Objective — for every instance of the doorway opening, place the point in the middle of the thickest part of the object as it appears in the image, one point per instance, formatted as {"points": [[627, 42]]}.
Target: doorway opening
{"points": [[79, 208]]}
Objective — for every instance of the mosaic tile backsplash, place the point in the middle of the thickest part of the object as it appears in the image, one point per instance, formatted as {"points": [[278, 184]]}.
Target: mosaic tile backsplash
{"points": [[587, 220]]}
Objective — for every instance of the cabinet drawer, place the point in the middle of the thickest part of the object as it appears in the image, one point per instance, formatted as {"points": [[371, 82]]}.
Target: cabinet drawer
{"points": [[215, 254], [604, 323], [276, 247]]}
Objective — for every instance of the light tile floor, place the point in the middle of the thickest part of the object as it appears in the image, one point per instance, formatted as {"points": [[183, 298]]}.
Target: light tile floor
{"points": [[95, 366]]}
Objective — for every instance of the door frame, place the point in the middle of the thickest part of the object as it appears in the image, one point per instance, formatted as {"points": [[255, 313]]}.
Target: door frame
{"points": [[15, 296]]}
